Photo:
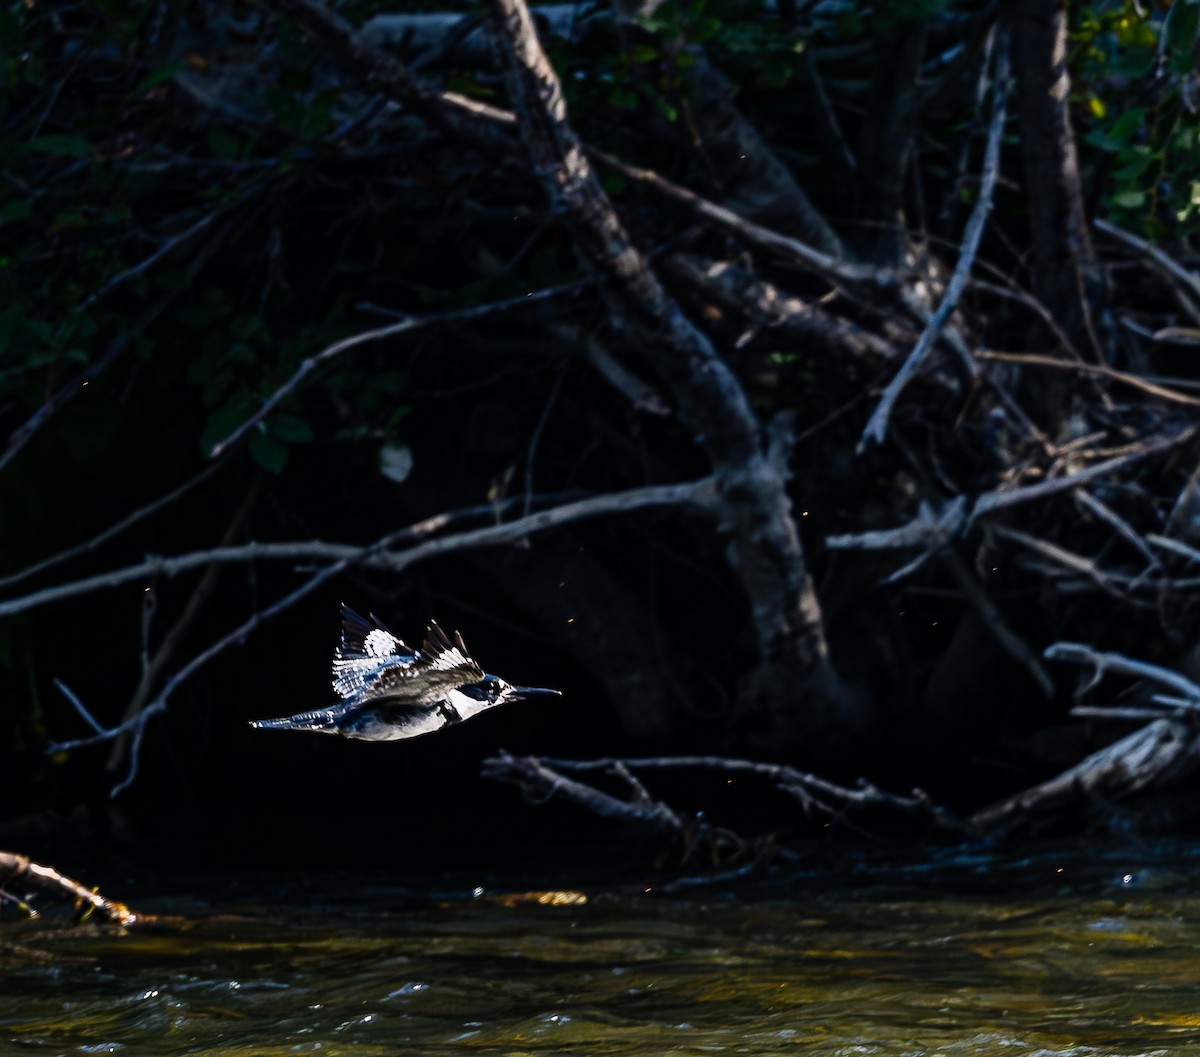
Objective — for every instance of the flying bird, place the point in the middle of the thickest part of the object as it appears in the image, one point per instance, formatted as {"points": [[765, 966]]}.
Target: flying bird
{"points": [[390, 692]]}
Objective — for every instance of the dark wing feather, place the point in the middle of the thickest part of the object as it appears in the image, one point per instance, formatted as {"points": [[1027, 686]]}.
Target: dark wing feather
{"points": [[367, 649], [441, 665]]}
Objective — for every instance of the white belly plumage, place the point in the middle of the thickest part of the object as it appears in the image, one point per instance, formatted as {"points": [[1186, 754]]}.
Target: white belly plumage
{"points": [[379, 725]]}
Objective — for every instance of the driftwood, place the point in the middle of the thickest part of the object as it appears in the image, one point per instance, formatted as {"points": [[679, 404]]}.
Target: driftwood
{"points": [[1159, 753], [20, 870]]}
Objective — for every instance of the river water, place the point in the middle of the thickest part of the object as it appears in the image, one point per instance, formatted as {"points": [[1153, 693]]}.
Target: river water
{"points": [[1042, 960]]}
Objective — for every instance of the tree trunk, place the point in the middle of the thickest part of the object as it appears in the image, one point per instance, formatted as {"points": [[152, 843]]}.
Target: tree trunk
{"points": [[1066, 276], [795, 691]]}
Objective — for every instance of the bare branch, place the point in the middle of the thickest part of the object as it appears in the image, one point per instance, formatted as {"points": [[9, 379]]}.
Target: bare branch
{"points": [[1160, 752], [788, 779], [698, 493], [876, 428], [112, 531], [1172, 396], [764, 238], [1182, 279], [402, 326], [1102, 663], [149, 262], [22, 870], [540, 782]]}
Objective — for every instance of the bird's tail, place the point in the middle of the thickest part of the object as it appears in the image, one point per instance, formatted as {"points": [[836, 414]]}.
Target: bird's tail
{"points": [[320, 722]]}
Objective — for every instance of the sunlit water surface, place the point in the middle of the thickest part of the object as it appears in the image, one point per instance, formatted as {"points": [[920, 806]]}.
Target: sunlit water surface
{"points": [[1106, 968]]}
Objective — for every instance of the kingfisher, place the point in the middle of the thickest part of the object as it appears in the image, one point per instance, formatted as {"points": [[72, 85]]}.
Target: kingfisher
{"points": [[390, 692]]}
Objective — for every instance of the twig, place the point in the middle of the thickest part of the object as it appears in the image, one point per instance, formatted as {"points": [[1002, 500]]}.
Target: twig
{"points": [[391, 330], [934, 528], [990, 502], [876, 428], [154, 258], [757, 235], [154, 667], [993, 620], [71, 696], [1161, 262], [1102, 663], [1033, 359], [112, 531], [1119, 525], [1174, 546], [24, 433], [1060, 555]]}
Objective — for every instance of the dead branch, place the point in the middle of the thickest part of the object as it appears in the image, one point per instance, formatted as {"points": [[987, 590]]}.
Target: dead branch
{"points": [[539, 782], [113, 531], [407, 323], [154, 668], [467, 120], [1159, 753], [1060, 555], [1164, 750], [699, 493], [1182, 281], [19, 869], [816, 794], [876, 428], [933, 528], [1171, 396], [1102, 663], [784, 246]]}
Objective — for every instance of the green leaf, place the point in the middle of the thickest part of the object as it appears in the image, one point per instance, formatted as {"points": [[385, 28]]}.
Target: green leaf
{"points": [[159, 76], [18, 209], [1129, 199], [292, 429], [223, 143], [269, 452], [1126, 126], [223, 421], [74, 146]]}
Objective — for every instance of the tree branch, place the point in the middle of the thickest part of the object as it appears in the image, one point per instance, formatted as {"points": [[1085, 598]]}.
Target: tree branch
{"points": [[19, 869], [700, 493], [877, 425]]}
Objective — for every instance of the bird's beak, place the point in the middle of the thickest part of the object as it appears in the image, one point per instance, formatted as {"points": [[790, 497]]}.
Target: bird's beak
{"points": [[533, 691]]}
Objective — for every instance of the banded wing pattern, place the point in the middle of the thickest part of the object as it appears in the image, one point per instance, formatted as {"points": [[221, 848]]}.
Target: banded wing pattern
{"points": [[366, 650], [440, 665]]}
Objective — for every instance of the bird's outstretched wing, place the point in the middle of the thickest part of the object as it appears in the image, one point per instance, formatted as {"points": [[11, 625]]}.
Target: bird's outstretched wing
{"points": [[367, 649], [440, 665]]}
